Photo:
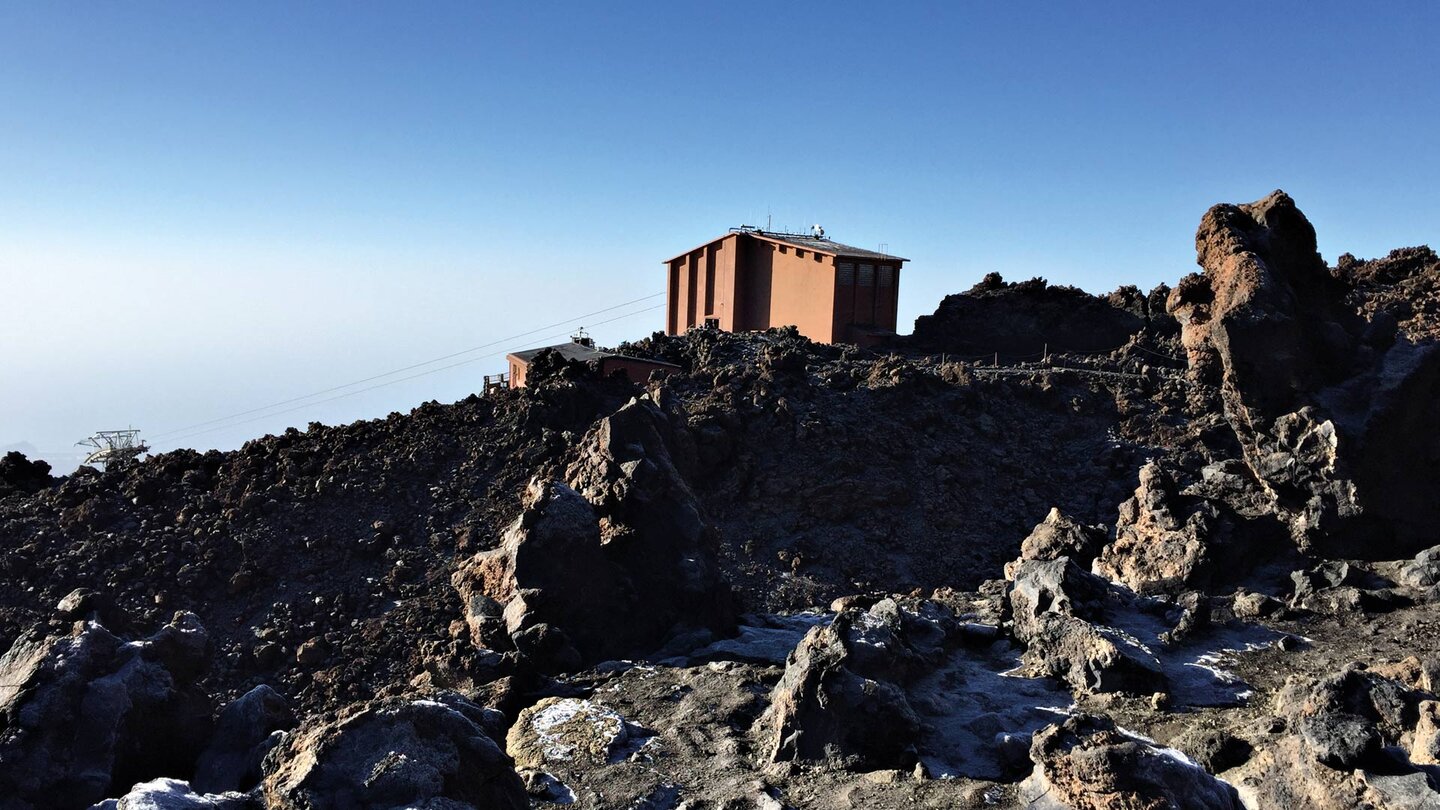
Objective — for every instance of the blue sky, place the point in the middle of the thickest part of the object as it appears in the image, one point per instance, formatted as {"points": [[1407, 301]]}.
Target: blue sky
{"points": [[205, 208]]}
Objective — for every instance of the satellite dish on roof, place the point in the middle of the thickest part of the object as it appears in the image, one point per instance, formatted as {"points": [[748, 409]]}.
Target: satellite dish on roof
{"points": [[817, 231]]}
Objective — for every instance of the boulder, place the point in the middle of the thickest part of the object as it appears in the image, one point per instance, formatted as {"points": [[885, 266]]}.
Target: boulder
{"points": [[652, 525], [1347, 718], [1087, 762], [1170, 538], [892, 642], [1421, 572], [1284, 773], [244, 734], [1157, 548], [390, 754], [1414, 790], [1255, 605], [1287, 773], [822, 712], [610, 564], [1055, 609], [1340, 739], [566, 730], [86, 712]]}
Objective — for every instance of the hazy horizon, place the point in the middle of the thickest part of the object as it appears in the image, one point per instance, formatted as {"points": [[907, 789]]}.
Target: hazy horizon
{"points": [[210, 209]]}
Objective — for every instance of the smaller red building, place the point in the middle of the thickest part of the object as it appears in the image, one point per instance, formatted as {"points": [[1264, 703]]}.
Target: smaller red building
{"points": [[582, 349]]}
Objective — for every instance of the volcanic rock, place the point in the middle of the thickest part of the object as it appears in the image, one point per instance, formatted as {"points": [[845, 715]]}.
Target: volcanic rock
{"points": [[1425, 745], [1347, 718], [173, 794], [565, 730], [1018, 320], [244, 734], [1244, 321], [1421, 572], [608, 568], [86, 712], [1086, 763], [393, 753], [822, 712], [1055, 608], [1328, 418], [1059, 535], [1155, 549], [19, 474]]}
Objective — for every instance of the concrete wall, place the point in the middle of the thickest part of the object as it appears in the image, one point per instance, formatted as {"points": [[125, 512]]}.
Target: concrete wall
{"points": [[702, 285], [801, 287]]}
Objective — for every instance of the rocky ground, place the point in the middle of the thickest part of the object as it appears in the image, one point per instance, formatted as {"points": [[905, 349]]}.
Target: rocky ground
{"points": [[1174, 550]]}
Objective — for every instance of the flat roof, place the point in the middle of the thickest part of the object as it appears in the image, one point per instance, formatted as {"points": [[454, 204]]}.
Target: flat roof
{"points": [[581, 353], [818, 244]]}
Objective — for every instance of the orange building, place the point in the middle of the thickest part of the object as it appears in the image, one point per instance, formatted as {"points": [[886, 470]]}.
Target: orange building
{"points": [[751, 279], [582, 349]]}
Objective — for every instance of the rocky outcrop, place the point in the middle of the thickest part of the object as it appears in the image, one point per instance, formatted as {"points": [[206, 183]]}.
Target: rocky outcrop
{"points": [[822, 711], [1023, 319], [1169, 539], [1157, 546], [1086, 763], [19, 474], [609, 565], [1327, 409], [87, 712], [1402, 286], [652, 525], [1261, 321], [393, 753]]}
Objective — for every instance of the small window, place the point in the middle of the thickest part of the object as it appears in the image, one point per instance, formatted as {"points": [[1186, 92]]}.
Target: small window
{"points": [[887, 275], [799, 254], [867, 275], [845, 273], [712, 323]]}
